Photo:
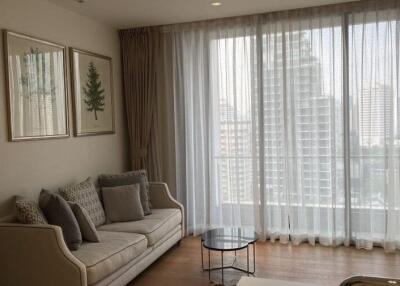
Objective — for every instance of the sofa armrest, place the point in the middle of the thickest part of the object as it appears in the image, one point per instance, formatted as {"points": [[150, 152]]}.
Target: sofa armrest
{"points": [[37, 255], [161, 198]]}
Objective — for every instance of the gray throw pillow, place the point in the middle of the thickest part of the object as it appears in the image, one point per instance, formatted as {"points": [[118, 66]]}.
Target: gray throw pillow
{"points": [[58, 212], [87, 227], [122, 203], [130, 178], [29, 212], [86, 195]]}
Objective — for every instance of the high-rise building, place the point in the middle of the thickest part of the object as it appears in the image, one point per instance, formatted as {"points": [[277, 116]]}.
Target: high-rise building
{"points": [[299, 126], [306, 122], [375, 115], [234, 163], [370, 136]]}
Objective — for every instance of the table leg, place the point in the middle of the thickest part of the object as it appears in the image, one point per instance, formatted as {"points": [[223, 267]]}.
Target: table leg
{"points": [[248, 270], [209, 266], [254, 257], [202, 260], [222, 266]]}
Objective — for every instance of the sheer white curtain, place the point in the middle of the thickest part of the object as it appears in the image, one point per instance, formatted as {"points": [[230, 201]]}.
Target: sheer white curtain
{"points": [[303, 128], [211, 74], [374, 127], [287, 122]]}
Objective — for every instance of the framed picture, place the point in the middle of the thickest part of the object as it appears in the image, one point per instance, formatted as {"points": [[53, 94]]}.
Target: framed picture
{"points": [[92, 93], [36, 88]]}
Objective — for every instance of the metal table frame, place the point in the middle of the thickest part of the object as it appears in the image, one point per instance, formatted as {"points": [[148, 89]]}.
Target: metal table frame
{"points": [[232, 266]]}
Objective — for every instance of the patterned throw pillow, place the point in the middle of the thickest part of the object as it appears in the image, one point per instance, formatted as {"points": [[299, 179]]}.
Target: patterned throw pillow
{"points": [[85, 194], [29, 212], [130, 178]]}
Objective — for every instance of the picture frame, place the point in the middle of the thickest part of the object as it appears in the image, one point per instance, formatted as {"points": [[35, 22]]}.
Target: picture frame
{"points": [[93, 94], [36, 88]]}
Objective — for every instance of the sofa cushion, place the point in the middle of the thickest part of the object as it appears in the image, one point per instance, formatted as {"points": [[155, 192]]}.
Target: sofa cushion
{"points": [[130, 178], [122, 203], [154, 226], [29, 212], [58, 212], [114, 250], [86, 195], [88, 229]]}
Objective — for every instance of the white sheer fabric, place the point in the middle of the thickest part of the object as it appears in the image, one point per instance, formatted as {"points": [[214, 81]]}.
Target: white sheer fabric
{"points": [[374, 127], [268, 112], [215, 122], [303, 129]]}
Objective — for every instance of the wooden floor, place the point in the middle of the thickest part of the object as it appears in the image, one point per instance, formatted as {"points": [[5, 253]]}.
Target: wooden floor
{"points": [[313, 264]]}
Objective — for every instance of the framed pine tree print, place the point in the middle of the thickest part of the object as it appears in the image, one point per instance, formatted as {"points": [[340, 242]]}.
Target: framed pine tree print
{"points": [[92, 85]]}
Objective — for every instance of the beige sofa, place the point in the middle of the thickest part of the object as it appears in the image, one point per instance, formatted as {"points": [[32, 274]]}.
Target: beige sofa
{"points": [[37, 254]]}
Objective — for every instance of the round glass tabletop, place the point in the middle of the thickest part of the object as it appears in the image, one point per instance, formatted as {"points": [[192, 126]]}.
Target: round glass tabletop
{"points": [[226, 239]]}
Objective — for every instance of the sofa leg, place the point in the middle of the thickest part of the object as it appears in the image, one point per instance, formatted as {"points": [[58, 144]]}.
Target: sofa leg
{"points": [[178, 243]]}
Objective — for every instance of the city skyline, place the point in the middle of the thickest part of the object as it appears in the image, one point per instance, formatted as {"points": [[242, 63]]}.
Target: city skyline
{"points": [[317, 127]]}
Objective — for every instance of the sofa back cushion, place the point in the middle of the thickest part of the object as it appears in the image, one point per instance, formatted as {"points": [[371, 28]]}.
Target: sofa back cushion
{"points": [[85, 195], [29, 212], [130, 178], [58, 212], [122, 203]]}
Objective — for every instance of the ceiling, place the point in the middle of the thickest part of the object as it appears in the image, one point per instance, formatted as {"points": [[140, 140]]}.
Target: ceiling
{"points": [[134, 13]]}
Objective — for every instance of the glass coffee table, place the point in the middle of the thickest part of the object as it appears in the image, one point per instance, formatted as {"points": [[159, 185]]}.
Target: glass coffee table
{"points": [[370, 281], [228, 239]]}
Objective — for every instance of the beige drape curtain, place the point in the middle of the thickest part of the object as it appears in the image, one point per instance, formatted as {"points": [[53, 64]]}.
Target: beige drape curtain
{"points": [[139, 48]]}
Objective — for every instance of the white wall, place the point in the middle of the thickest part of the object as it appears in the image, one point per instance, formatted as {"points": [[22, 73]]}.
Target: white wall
{"points": [[26, 167]]}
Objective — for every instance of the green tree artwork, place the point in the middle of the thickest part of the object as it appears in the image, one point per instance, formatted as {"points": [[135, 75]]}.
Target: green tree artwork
{"points": [[93, 91]]}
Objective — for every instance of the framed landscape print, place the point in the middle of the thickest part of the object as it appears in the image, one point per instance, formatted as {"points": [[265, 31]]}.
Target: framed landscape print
{"points": [[92, 93], [36, 88]]}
